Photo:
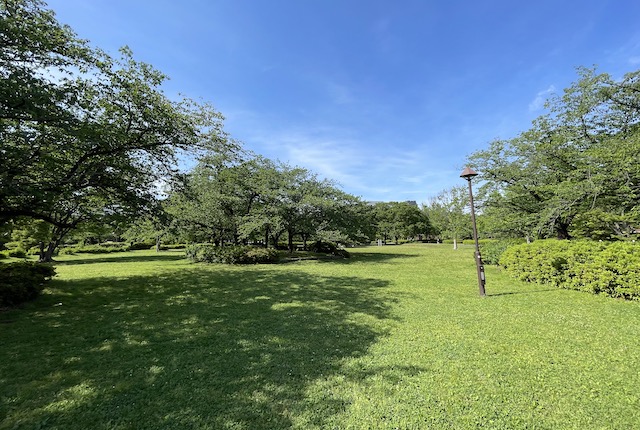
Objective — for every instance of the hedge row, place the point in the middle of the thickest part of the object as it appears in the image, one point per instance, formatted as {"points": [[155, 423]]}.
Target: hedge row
{"points": [[596, 267], [106, 248], [208, 253], [492, 249], [22, 281]]}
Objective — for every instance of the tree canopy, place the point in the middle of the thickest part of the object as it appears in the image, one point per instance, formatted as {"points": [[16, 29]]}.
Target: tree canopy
{"points": [[83, 133], [575, 172]]}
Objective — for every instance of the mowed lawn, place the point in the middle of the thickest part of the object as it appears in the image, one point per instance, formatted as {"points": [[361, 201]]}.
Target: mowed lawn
{"points": [[394, 338]]}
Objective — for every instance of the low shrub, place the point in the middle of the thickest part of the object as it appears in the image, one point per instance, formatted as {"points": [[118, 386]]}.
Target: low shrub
{"points": [[17, 253], [95, 249], [492, 249], [208, 253], [328, 248], [172, 246], [596, 267], [137, 246], [22, 281]]}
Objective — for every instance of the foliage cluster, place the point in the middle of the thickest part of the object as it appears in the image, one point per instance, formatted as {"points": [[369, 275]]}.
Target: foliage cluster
{"points": [[574, 173], [329, 248], [612, 269], [447, 213], [22, 281], [244, 198], [492, 249], [91, 140], [209, 253], [399, 221]]}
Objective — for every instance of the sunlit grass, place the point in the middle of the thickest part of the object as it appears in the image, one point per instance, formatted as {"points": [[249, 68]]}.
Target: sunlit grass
{"points": [[396, 337]]}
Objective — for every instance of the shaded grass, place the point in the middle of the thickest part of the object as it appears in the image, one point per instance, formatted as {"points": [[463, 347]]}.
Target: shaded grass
{"points": [[395, 337]]}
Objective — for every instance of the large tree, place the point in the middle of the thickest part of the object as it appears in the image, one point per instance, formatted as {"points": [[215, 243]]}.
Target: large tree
{"points": [[84, 134], [576, 167]]}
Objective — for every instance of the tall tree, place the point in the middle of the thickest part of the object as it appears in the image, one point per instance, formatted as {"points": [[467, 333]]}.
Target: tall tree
{"points": [[84, 134], [576, 164]]}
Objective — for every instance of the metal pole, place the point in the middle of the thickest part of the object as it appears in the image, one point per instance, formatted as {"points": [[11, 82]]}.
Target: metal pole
{"points": [[479, 265]]}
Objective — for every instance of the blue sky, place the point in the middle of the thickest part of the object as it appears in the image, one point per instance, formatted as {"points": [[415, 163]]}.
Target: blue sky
{"points": [[388, 98]]}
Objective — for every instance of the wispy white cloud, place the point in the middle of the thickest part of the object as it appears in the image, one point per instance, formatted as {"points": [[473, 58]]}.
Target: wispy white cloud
{"points": [[541, 98], [363, 168]]}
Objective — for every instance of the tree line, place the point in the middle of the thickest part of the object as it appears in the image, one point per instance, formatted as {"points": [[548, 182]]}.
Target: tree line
{"points": [[91, 145], [88, 138]]}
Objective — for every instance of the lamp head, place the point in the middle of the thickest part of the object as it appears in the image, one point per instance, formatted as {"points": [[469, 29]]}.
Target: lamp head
{"points": [[468, 173]]}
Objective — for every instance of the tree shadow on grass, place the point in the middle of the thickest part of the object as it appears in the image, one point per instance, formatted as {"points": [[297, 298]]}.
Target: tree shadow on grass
{"points": [[198, 348]]}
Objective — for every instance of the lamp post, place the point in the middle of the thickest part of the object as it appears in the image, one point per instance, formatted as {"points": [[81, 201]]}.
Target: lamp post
{"points": [[467, 174]]}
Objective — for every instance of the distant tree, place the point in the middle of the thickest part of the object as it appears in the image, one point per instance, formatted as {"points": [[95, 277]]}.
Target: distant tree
{"points": [[449, 215], [84, 134], [400, 220], [241, 197]]}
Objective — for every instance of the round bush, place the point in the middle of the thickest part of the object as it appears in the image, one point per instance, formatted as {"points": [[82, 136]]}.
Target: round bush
{"points": [[22, 281], [208, 253]]}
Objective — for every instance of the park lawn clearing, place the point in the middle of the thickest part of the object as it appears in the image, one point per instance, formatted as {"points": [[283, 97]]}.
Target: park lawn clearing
{"points": [[395, 337]]}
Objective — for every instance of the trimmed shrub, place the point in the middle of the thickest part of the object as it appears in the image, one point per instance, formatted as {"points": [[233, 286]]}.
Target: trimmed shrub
{"points": [[208, 253], [596, 267], [492, 249], [17, 253], [137, 246], [22, 281], [613, 270], [95, 249]]}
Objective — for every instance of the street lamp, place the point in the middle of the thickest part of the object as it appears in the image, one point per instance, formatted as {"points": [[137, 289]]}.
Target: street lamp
{"points": [[468, 173]]}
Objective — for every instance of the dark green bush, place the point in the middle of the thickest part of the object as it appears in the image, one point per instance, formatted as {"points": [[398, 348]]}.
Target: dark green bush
{"points": [[328, 248], [596, 267], [17, 253], [137, 246], [172, 246], [22, 281], [492, 249], [208, 253]]}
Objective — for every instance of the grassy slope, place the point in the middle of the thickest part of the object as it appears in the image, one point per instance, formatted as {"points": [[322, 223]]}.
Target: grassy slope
{"points": [[396, 337]]}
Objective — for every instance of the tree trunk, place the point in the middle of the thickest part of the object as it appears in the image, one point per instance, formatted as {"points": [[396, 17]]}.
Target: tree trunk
{"points": [[58, 233], [562, 231], [41, 254], [455, 243], [266, 237], [158, 244], [275, 238], [290, 241]]}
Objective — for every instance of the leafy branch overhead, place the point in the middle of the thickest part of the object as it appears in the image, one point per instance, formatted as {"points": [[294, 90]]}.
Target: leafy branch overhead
{"points": [[82, 132], [575, 172]]}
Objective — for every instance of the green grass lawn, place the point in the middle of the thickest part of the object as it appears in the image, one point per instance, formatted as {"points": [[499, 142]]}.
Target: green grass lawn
{"points": [[394, 338]]}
